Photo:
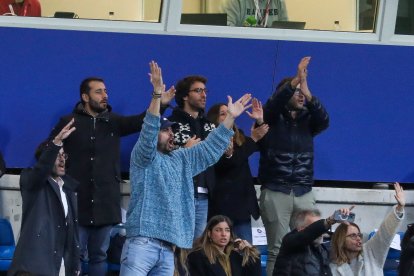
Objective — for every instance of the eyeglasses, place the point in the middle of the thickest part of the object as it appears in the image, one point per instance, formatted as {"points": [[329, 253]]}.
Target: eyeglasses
{"points": [[199, 90], [354, 236], [63, 156]]}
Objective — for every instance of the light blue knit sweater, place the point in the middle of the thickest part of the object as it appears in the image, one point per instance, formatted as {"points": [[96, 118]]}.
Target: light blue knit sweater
{"points": [[162, 192]]}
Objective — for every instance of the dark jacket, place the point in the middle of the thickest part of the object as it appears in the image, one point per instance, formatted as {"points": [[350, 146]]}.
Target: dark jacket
{"points": [[2, 165], [234, 193], [199, 265], [406, 266], [298, 256], [94, 160], [46, 236], [185, 129], [286, 152]]}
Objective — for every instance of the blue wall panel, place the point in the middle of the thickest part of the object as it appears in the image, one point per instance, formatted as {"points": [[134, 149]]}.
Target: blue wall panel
{"points": [[367, 89]]}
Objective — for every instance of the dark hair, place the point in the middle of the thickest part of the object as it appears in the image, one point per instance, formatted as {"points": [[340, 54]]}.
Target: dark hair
{"points": [[182, 88], [213, 116], [283, 82], [406, 266], [84, 86], [41, 148]]}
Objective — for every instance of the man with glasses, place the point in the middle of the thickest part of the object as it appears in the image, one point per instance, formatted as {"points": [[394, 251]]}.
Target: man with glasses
{"points": [[350, 256], [295, 117], [48, 243], [192, 127], [302, 251]]}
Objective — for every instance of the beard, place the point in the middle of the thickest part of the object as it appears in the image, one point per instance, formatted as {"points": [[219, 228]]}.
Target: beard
{"points": [[96, 106]]}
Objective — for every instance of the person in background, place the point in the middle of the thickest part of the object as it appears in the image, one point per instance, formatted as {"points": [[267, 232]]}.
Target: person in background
{"points": [[406, 266], [349, 256], [20, 7], [251, 13], [48, 243], [234, 194], [191, 128], [302, 251], [95, 162], [219, 253], [161, 214], [2, 165], [295, 116]]}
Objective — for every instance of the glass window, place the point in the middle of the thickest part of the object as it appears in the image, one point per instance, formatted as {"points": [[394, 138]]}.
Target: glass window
{"points": [[127, 10], [405, 18], [329, 15]]}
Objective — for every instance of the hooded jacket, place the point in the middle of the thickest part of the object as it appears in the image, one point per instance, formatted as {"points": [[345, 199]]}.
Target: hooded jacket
{"points": [[94, 160]]}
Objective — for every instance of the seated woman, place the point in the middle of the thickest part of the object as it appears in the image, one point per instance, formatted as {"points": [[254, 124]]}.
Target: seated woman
{"points": [[218, 253], [351, 257], [234, 194]]}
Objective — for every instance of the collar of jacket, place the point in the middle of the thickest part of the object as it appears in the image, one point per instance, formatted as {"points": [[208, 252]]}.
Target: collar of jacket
{"points": [[79, 109]]}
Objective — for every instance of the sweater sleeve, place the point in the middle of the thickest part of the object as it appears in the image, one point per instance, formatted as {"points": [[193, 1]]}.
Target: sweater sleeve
{"points": [[145, 149], [379, 244], [209, 151], [234, 12]]}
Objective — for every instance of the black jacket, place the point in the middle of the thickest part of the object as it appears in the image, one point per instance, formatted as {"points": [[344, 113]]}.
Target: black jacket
{"points": [[199, 265], [2, 165], [298, 256], [406, 266], [94, 160], [185, 129], [234, 193], [46, 235], [286, 152]]}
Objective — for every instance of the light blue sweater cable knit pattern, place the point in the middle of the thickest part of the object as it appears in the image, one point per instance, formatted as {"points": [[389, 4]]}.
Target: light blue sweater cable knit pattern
{"points": [[162, 192]]}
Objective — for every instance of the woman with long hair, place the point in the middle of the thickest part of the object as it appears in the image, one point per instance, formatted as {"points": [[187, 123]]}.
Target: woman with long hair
{"points": [[218, 253], [352, 257], [234, 194]]}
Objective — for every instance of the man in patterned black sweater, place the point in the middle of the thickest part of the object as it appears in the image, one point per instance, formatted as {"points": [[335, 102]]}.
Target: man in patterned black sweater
{"points": [[192, 127]]}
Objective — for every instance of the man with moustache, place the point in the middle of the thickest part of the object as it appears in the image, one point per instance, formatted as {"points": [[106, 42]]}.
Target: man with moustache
{"points": [[302, 251], [48, 243], [191, 127], [95, 162]]}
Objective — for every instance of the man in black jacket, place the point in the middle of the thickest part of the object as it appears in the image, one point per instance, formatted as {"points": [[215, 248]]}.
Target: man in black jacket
{"points": [[48, 243], [95, 162], [302, 251], [295, 117], [192, 127]]}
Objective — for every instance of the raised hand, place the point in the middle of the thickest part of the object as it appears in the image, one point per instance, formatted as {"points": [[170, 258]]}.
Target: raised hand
{"points": [[156, 77], [167, 96], [399, 196], [257, 111], [258, 132], [64, 133], [239, 106]]}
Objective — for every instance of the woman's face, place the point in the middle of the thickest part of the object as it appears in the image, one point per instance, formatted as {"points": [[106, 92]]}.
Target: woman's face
{"points": [[220, 235], [353, 241], [222, 114]]}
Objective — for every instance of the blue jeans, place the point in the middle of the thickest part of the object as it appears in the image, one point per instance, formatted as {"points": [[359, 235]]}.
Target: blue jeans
{"points": [[243, 229], [94, 242], [201, 209], [146, 256]]}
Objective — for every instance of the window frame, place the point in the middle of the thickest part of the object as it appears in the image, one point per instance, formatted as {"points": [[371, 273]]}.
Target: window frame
{"points": [[170, 25]]}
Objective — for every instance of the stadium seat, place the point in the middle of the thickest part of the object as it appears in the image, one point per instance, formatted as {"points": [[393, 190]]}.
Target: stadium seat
{"points": [[7, 244]]}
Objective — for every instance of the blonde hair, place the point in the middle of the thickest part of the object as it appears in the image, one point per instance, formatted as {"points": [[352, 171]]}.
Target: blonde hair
{"points": [[338, 253]]}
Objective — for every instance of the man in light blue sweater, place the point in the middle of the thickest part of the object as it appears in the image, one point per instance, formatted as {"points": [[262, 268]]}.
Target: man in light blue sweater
{"points": [[161, 210]]}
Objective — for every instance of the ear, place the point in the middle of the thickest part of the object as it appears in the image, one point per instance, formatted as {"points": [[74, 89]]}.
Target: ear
{"points": [[85, 97]]}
